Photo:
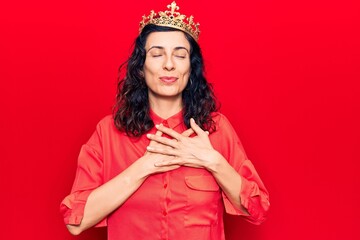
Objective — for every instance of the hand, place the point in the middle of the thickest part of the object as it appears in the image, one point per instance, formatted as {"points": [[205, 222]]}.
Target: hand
{"points": [[193, 152], [151, 158]]}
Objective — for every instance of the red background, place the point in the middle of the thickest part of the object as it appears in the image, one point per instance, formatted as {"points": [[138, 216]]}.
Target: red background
{"points": [[286, 73]]}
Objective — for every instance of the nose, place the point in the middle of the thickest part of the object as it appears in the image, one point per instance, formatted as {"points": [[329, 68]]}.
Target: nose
{"points": [[169, 64]]}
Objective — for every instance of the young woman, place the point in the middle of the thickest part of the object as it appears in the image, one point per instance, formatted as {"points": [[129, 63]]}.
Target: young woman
{"points": [[166, 164]]}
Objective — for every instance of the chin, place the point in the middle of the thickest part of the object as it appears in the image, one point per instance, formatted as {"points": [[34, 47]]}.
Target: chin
{"points": [[167, 94], [170, 91]]}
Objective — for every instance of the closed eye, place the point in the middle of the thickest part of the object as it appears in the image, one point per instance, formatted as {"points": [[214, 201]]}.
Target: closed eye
{"points": [[180, 56]]}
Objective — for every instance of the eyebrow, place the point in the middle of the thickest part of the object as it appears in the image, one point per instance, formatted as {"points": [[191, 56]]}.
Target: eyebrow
{"points": [[162, 48]]}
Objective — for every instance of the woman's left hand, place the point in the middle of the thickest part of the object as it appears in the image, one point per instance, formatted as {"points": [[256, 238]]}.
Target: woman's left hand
{"points": [[188, 151]]}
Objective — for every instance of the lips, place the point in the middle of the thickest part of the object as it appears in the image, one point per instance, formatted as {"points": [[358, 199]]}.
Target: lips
{"points": [[168, 80]]}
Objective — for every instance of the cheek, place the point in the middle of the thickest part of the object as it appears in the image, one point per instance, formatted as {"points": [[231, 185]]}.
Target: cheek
{"points": [[186, 77], [186, 71], [148, 71]]}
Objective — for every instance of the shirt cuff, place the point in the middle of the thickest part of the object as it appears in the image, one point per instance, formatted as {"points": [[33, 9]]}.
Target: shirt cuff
{"points": [[72, 209], [247, 191], [254, 210]]}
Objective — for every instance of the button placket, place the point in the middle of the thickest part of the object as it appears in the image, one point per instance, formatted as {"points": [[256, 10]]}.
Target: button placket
{"points": [[164, 210]]}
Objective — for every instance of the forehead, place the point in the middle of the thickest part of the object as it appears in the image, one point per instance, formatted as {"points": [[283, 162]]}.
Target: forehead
{"points": [[169, 40]]}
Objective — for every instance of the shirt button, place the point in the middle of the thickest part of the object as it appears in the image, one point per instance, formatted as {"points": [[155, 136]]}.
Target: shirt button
{"points": [[164, 213], [165, 185]]}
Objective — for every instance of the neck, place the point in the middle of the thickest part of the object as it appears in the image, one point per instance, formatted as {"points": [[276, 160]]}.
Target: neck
{"points": [[165, 107]]}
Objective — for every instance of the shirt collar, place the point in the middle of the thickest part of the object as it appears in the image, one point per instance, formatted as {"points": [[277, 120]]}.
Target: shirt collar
{"points": [[170, 122]]}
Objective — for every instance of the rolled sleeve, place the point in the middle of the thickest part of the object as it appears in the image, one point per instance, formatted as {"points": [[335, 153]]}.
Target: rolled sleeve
{"points": [[89, 176], [254, 197], [72, 209]]}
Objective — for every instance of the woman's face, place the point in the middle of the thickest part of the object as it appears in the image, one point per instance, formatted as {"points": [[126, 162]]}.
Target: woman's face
{"points": [[167, 64]]}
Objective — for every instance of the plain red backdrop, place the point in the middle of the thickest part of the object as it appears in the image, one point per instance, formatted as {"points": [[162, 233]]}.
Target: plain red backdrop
{"points": [[286, 73]]}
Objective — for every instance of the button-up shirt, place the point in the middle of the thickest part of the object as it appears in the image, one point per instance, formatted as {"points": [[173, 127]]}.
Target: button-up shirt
{"points": [[185, 203]]}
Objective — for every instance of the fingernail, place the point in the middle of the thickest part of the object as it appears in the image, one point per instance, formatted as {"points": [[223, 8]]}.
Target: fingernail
{"points": [[157, 125], [149, 148]]}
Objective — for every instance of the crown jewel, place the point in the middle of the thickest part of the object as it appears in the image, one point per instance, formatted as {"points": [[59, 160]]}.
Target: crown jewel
{"points": [[171, 18]]}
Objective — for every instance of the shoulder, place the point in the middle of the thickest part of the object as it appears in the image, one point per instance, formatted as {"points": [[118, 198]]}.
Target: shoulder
{"points": [[223, 126], [108, 119], [225, 139], [220, 120], [106, 124], [106, 131]]}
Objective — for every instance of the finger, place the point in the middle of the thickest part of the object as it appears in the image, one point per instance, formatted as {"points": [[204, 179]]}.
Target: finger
{"points": [[162, 150], [196, 127], [158, 133], [188, 132], [169, 131], [163, 140]]}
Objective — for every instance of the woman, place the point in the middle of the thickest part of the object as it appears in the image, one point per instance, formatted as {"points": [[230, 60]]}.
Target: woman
{"points": [[166, 164]]}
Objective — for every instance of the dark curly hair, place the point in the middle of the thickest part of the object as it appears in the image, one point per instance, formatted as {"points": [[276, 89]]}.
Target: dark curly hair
{"points": [[131, 111]]}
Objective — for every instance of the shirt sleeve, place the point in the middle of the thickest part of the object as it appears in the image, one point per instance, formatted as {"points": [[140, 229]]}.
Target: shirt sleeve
{"points": [[253, 195], [89, 175]]}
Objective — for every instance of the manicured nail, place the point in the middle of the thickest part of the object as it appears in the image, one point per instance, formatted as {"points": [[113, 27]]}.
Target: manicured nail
{"points": [[149, 148], [148, 135]]}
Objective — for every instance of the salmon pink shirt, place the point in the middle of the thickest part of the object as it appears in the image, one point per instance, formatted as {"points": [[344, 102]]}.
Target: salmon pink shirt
{"points": [[186, 203]]}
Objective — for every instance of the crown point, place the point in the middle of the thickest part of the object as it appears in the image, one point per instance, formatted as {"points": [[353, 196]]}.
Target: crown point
{"points": [[172, 19]]}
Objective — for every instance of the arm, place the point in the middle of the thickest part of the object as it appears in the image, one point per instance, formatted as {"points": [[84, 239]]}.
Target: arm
{"points": [[228, 179], [243, 191], [106, 198], [198, 152]]}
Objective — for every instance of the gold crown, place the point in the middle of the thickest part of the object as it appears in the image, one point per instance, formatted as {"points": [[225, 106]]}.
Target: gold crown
{"points": [[170, 18]]}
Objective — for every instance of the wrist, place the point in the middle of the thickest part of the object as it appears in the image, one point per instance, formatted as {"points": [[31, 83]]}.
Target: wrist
{"points": [[142, 169], [215, 161]]}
